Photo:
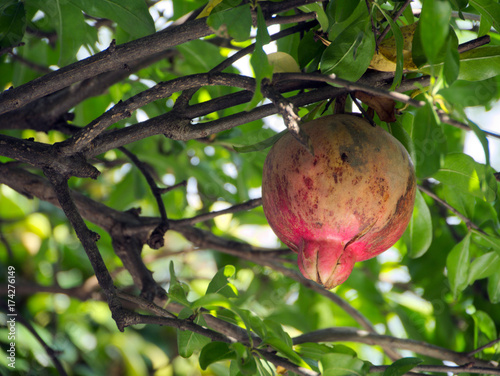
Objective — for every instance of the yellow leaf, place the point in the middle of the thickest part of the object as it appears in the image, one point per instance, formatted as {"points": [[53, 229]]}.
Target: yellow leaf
{"points": [[208, 8], [282, 62], [385, 59]]}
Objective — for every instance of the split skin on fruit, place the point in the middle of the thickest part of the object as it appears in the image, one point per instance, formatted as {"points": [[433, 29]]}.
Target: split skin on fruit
{"points": [[349, 202]]}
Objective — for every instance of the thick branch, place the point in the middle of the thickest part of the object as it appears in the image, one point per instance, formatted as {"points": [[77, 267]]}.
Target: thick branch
{"points": [[43, 156], [51, 112], [114, 58], [124, 109]]}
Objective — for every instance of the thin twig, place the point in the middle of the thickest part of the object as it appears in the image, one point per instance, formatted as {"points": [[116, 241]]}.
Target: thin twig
{"points": [[157, 238], [34, 66], [481, 348], [233, 209], [466, 220], [346, 334], [49, 350], [124, 109], [171, 188], [289, 113], [446, 369], [394, 19], [475, 43]]}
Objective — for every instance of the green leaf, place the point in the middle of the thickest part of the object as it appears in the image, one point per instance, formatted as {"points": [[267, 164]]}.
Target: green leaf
{"points": [[451, 65], [400, 129], [210, 301], [429, 141], [342, 10], [402, 366], [260, 63], [434, 27], [320, 14], [480, 63], [464, 203], [287, 350], [349, 55], [398, 38], [12, 23], [494, 288], [488, 240], [489, 184], [459, 171], [481, 136], [313, 350], [235, 23], [220, 284], [341, 365], [457, 264], [245, 359], [70, 26], [252, 323], [131, 15], [176, 290], [418, 234], [215, 352], [484, 266], [309, 49], [471, 93], [188, 342], [262, 145], [490, 10], [485, 324], [475, 65]]}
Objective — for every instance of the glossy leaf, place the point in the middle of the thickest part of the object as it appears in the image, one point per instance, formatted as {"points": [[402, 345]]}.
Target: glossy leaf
{"points": [[484, 266], [220, 284], [451, 65], [12, 23], [418, 234], [459, 171], [475, 65], [436, 18], [485, 324], [349, 55], [341, 365], [320, 14], [402, 366], [429, 141], [132, 15], [490, 10], [494, 288], [457, 264], [234, 23], [188, 342], [214, 352]]}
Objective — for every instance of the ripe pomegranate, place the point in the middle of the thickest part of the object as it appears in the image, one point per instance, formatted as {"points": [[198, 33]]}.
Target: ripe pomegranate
{"points": [[349, 202]]}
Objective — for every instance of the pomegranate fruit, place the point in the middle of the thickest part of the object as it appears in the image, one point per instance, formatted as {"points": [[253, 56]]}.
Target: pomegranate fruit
{"points": [[349, 202]]}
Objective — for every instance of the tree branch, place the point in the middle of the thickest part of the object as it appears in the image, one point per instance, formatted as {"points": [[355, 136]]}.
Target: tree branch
{"points": [[114, 58], [370, 338], [88, 240], [49, 350], [446, 369]]}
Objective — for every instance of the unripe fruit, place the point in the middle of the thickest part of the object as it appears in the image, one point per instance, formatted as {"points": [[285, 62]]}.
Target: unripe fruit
{"points": [[349, 202]]}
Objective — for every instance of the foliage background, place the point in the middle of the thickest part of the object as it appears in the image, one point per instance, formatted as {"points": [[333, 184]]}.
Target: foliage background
{"points": [[440, 284]]}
